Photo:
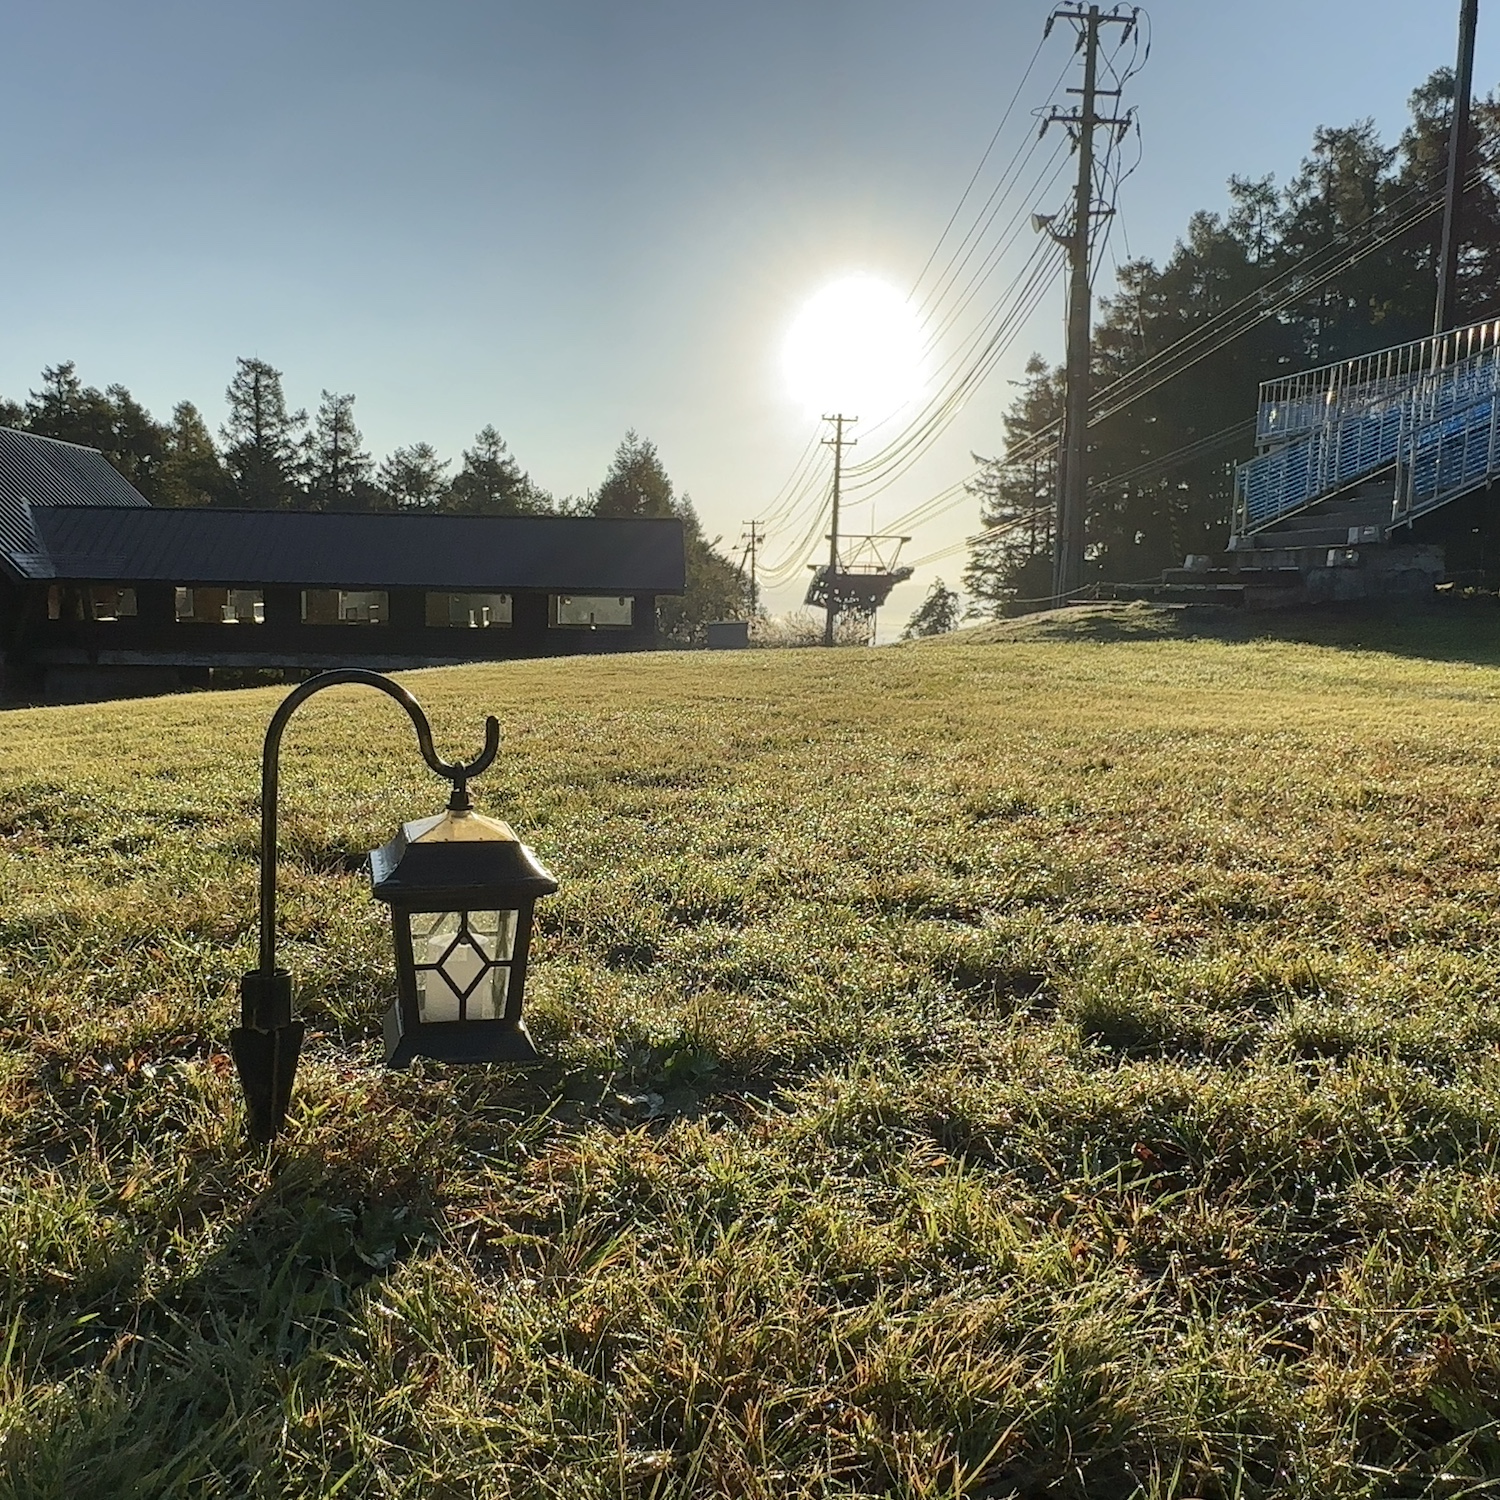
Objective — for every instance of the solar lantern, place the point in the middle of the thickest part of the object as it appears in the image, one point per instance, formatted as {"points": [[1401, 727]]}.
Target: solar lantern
{"points": [[461, 888]]}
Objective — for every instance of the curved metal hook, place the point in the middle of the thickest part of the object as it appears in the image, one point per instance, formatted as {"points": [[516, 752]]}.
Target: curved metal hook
{"points": [[458, 772]]}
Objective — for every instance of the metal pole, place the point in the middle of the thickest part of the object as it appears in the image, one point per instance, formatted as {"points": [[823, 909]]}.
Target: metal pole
{"points": [[1458, 134], [837, 444], [1068, 564], [268, 1040]]}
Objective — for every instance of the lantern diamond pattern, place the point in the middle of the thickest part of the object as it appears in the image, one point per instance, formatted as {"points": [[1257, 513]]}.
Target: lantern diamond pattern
{"points": [[463, 951]]}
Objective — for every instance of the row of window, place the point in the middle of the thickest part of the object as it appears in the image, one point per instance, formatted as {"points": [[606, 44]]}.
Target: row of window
{"points": [[203, 606]]}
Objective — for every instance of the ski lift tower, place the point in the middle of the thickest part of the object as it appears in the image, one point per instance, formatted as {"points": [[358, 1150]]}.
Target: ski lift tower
{"points": [[860, 578]]}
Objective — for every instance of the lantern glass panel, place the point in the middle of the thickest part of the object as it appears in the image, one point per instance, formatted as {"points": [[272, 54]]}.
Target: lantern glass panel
{"points": [[462, 961]]}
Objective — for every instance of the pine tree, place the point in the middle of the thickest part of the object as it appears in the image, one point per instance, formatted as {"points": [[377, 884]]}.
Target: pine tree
{"points": [[336, 467], [112, 421], [191, 471], [716, 588], [637, 485], [411, 479], [491, 482], [937, 614], [263, 441], [1017, 497]]}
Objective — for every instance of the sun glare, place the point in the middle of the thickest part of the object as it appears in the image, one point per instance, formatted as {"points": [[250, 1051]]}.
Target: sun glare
{"points": [[855, 347]]}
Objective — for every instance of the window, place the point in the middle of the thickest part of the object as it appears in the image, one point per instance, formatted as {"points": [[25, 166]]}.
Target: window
{"points": [[107, 602], [590, 610], [91, 601], [345, 607], [201, 606], [468, 611]]}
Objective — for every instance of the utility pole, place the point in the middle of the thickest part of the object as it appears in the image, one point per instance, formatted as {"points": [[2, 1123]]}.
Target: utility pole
{"points": [[1458, 138], [838, 442], [752, 546], [1068, 538]]}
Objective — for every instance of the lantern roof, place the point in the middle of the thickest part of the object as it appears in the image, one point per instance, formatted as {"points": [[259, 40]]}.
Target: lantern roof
{"points": [[466, 827], [457, 860]]}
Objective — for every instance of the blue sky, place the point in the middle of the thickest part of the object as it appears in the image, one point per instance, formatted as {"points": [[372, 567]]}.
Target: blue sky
{"points": [[571, 218]]}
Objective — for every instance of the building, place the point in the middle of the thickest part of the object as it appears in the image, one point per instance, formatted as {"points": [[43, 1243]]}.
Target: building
{"points": [[102, 594]]}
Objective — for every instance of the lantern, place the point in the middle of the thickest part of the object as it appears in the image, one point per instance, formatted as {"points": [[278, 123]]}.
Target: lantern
{"points": [[461, 889]]}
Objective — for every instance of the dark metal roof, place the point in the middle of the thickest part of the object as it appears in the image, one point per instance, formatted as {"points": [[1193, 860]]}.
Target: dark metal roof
{"points": [[565, 554], [40, 471]]}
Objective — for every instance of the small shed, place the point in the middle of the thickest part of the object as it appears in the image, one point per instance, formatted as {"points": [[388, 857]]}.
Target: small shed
{"points": [[728, 635]]}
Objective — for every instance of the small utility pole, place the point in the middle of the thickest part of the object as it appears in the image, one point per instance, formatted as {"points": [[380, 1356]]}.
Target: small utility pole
{"points": [[752, 546], [838, 442], [1458, 139], [1067, 554]]}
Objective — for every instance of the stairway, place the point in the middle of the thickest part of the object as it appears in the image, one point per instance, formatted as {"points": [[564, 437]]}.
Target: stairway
{"points": [[1338, 548], [1351, 454]]}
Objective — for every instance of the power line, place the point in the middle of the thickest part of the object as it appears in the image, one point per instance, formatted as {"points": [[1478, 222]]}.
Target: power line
{"points": [[988, 210], [953, 217], [899, 455], [1327, 262], [782, 504], [795, 492], [795, 559]]}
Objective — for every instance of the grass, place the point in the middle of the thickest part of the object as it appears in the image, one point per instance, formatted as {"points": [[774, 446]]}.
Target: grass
{"points": [[1049, 1067]]}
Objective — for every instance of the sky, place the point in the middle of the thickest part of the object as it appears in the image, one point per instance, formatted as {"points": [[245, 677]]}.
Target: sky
{"points": [[571, 218]]}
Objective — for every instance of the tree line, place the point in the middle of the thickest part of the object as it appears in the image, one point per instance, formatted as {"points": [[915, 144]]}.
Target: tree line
{"points": [[269, 457], [1313, 271]]}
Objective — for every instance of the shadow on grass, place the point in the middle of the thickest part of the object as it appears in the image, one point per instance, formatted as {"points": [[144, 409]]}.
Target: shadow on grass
{"points": [[197, 1380]]}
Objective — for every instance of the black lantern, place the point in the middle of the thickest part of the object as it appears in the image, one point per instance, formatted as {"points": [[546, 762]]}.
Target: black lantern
{"points": [[461, 889]]}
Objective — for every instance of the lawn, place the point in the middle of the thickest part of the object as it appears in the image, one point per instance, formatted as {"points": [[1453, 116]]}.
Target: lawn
{"points": [[1061, 1066]]}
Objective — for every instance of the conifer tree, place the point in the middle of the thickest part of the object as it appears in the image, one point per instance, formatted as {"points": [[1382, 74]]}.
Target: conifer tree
{"points": [[411, 478], [191, 471], [112, 421], [637, 485], [491, 483], [336, 467], [937, 614], [263, 440]]}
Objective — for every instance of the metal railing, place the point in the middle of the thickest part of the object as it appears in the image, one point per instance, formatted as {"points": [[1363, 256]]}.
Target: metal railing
{"points": [[1444, 458], [1416, 399], [1296, 404]]}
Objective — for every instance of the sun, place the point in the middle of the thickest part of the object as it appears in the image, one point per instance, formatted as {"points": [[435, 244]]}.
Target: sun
{"points": [[855, 347]]}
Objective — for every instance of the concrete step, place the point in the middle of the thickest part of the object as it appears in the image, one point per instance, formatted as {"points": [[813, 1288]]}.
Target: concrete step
{"points": [[1169, 593], [1277, 539], [1235, 572], [1377, 508], [1300, 558]]}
